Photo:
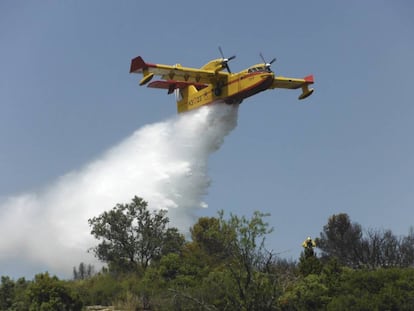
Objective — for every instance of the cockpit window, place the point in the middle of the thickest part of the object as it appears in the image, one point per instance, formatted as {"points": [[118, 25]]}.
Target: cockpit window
{"points": [[259, 69]]}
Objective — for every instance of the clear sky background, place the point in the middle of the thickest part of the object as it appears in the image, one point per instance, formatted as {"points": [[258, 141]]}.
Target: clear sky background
{"points": [[66, 97]]}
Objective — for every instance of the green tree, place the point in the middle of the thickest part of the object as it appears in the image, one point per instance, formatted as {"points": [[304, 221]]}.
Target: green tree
{"points": [[382, 289], [308, 293], [49, 293], [208, 234], [245, 282], [7, 289], [406, 249], [173, 242], [101, 289], [309, 264], [382, 248], [13, 294], [225, 267], [342, 239], [83, 271], [131, 236]]}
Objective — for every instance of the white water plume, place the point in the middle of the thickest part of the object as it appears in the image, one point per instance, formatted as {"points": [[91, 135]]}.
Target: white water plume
{"points": [[164, 163]]}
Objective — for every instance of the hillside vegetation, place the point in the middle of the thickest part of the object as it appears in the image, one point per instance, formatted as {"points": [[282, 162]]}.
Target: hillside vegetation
{"points": [[225, 266]]}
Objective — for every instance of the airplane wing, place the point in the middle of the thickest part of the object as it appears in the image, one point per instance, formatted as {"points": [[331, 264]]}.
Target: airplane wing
{"points": [[291, 83], [175, 73], [171, 85], [294, 83]]}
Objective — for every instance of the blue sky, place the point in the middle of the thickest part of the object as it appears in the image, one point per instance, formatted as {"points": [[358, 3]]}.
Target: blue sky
{"points": [[66, 97]]}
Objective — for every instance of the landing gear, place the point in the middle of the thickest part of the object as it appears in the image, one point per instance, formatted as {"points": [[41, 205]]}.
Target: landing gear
{"points": [[217, 91]]}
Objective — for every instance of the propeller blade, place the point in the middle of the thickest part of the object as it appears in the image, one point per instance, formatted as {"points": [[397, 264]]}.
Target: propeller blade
{"points": [[221, 52], [267, 64], [226, 60], [263, 59]]}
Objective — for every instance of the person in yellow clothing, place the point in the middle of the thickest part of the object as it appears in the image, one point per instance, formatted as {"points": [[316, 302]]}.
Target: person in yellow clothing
{"points": [[308, 245]]}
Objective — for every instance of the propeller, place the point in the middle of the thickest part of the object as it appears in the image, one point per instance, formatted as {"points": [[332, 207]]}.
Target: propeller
{"points": [[225, 61], [267, 64]]}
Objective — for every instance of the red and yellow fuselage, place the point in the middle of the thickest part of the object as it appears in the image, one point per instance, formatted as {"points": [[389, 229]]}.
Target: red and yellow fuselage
{"points": [[196, 87], [232, 91]]}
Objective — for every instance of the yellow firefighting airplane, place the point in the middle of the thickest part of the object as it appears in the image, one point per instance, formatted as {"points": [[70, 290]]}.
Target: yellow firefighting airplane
{"points": [[198, 87]]}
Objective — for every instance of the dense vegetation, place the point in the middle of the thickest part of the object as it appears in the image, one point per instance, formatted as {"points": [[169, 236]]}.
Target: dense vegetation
{"points": [[225, 266]]}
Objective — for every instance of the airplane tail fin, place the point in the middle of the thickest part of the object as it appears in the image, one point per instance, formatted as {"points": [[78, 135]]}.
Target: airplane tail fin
{"points": [[137, 65], [306, 91]]}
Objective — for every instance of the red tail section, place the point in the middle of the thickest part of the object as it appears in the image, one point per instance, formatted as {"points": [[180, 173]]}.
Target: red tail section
{"points": [[137, 65], [309, 79]]}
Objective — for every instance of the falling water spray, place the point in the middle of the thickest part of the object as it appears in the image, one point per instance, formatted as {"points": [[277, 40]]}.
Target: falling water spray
{"points": [[164, 163]]}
